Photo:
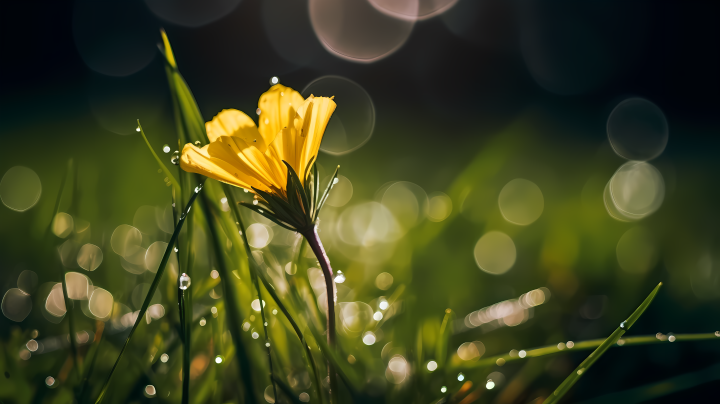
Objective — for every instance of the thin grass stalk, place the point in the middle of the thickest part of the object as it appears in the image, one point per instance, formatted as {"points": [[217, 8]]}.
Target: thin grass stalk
{"points": [[317, 248], [230, 303], [604, 346], [185, 325], [151, 292], [61, 272], [157, 158], [99, 331], [265, 329], [235, 208]]}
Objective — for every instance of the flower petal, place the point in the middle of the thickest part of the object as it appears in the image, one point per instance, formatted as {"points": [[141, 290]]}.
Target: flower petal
{"points": [[197, 160], [231, 122], [314, 115], [278, 107]]}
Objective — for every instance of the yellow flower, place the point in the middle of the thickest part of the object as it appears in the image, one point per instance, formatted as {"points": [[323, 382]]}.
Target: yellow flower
{"points": [[245, 155]]}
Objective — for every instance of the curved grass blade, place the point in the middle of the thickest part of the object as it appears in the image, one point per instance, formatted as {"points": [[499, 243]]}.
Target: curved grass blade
{"points": [[442, 341], [157, 158], [612, 339], [267, 337], [95, 352], [151, 292], [231, 305], [187, 339], [238, 219]]}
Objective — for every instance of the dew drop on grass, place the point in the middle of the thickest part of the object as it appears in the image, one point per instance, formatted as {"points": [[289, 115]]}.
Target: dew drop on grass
{"points": [[185, 281], [166, 148], [175, 159]]}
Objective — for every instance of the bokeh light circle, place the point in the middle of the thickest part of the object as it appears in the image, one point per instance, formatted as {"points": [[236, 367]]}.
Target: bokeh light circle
{"points": [[125, 240], [289, 32], [353, 122], [355, 30], [154, 254], [20, 188], [637, 129], [637, 190], [636, 251], [367, 224], [55, 302], [63, 224], [440, 207], [79, 286], [471, 351], [412, 9], [101, 303], [521, 202], [341, 192], [495, 253], [27, 281], [191, 13], [89, 257], [16, 305], [259, 235], [408, 203]]}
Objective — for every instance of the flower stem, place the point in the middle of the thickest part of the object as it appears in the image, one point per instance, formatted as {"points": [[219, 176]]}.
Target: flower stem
{"points": [[317, 247]]}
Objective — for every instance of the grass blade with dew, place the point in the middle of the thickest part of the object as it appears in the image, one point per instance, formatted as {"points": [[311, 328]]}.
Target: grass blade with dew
{"points": [[604, 346], [265, 329], [68, 303], [235, 208], [230, 302], [153, 287], [167, 172], [186, 339]]}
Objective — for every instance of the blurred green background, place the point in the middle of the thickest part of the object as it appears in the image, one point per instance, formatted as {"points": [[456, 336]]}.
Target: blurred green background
{"points": [[440, 112]]}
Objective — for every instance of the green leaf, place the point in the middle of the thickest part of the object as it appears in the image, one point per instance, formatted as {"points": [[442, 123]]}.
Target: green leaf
{"points": [[300, 192], [151, 292], [443, 337], [325, 194], [612, 339]]}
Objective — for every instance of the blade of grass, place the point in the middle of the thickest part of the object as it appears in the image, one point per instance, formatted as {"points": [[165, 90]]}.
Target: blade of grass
{"points": [[157, 158], [235, 208], [590, 360], [61, 271], [151, 292], [187, 340], [442, 341], [231, 304], [95, 352], [267, 336]]}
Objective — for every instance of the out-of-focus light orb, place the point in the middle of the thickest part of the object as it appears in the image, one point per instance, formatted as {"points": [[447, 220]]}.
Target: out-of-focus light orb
{"points": [[27, 281], [341, 192], [349, 128], [190, 13], [78, 286], [636, 190], [432, 366], [150, 390], [219, 359], [383, 282], [269, 394], [521, 202], [164, 358], [356, 31], [460, 377], [304, 397], [411, 10], [377, 316], [636, 251], [637, 129], [256, 304], [154, 254], [62, 225], [273, 80], [367, 224], [408, 202], [255, 335], [495, 253], [32, 345], [20, 188], [202, 321], [89, 257], [355, 316], [570, 344], [471, 351], [55, 302], [490, 384], [145, 219], [126, 240], [101, 303], [259, 235], [522, 354], [440, 207], [49, 381], [443, 389], [397, 369], [369, 338], [214, 274], [383, 305], [16, 305]]}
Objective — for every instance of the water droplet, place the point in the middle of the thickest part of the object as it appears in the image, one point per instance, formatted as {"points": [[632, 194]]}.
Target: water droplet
{"points": [[197, 143], [580, 371], [671, 338], [255, 202], [176, 249], [197, 189], [246, 191], [717, 333], [175, 159], [166, 148], [622, 325], [137, 129], [260, 210], [282, 93], [274, 312], [185, 281], [274, 80], [443, 389], [258, 111], [460, 377], [267, 121], [265, 324], [340, 278], [336, 180]]}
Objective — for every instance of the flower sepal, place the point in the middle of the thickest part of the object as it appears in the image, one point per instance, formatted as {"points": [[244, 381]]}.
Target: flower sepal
{"points": [[299, 208]]}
